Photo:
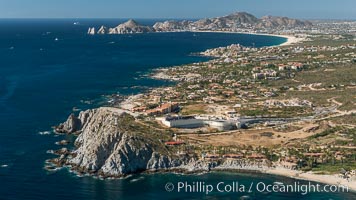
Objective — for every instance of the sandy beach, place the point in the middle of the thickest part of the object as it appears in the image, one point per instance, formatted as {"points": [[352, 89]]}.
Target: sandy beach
{"points": [[160, 73], [290, 38], [309, 176]]}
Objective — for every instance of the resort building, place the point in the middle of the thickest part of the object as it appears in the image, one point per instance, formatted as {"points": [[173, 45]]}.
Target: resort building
{"points": [[182, 122], [163, 109], [193, 122], [233, 156], [221, 125]]}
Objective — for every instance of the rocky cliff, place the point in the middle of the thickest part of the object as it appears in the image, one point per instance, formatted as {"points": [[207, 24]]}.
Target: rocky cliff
{"points": [[111, 143], [75, 123], [91, 31], [130, 26]]}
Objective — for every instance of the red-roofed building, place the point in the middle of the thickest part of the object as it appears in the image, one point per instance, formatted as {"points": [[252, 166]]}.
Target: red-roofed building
{"points": [[256, 156], [233, 156], [174, 143], [163, 109]]}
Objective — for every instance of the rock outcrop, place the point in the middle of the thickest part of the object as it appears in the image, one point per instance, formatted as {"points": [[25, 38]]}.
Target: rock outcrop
{"points": [[91, 31], [102, 30], [129, 27], [111, 143], [74, 123]]}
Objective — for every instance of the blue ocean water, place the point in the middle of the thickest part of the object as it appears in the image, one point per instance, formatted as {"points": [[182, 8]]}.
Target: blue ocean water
{"points": [[47, 67]]}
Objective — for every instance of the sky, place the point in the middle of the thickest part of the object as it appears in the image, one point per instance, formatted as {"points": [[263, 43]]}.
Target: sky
{"points": [[303, 9]]}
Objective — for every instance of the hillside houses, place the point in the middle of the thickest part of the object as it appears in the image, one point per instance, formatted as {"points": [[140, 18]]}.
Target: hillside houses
{"points": [[291, 66], [265, 74], [162, 109]]}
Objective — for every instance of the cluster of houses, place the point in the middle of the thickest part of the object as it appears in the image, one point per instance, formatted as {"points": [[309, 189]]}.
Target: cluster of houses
{"points": [[304, 49], [162, 109], [253, 156], [273, 103], [291, 66], [265, 74], [229, 51], [294, 162], [272, 74], [289, 162]]}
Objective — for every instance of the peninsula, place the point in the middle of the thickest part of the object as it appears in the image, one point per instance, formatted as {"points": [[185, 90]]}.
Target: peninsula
{"points": [[236, 22], [287, 110], [128, 27]]}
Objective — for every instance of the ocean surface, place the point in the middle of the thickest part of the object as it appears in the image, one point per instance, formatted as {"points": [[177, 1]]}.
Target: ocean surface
{"points": [[48, 67]]}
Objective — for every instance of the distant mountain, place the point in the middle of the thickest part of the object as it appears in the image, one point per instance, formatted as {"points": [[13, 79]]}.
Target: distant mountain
{"points": [[208, 23], [172, 25], [238, 18], [272, 22], [130, 26], [232, 22]]}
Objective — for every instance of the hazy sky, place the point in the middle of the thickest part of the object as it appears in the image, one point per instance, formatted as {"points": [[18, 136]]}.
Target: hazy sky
{"points": [[306, 9]]}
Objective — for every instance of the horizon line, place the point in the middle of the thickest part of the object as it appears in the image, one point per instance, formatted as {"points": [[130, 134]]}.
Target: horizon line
{"points": [[151, 18], [186, 18]]}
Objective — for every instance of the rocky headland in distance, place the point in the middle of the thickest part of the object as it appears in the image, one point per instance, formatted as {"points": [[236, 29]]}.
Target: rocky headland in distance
{"points": [[236, 22]]}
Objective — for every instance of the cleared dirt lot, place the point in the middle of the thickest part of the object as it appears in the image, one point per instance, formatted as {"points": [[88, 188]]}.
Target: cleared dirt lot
{"points": [[267, 137]]}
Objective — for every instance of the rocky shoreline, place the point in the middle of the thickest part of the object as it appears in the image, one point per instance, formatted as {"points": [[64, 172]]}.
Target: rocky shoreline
{"points": [[106, 147], [181, 165]]}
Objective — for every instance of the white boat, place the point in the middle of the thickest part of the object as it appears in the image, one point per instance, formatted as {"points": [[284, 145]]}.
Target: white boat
{"points": [[278, 183], [245, 197]]}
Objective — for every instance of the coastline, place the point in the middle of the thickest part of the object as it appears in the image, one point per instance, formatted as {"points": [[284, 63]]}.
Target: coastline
{"points": [[290, 38], [309, 176], [159, 73], [199, 167], [294, 174], [279, 171]]}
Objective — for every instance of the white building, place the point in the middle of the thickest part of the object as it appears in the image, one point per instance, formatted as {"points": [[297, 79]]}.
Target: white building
{"points": [[221, 125], [193, 122], [182, 122]]}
